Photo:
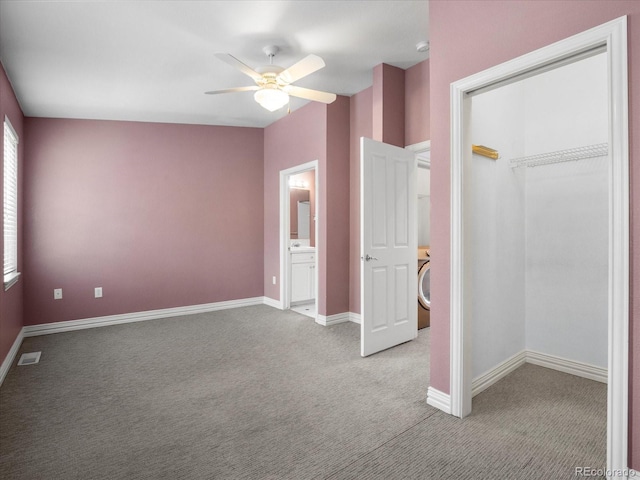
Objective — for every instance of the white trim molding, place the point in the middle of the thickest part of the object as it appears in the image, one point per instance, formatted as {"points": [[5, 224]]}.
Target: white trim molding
{"points": [[71, 325], [579, 369], [11, 355], [420, 146], [612, 38], [326, 320], [497, 373], [270, 302], [572, 367], [423, 153], [355, 318], [438, 399]]}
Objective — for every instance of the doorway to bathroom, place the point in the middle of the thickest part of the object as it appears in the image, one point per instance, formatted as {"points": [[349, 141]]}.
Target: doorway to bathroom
{"points": [[523, 207], [299, 239]]}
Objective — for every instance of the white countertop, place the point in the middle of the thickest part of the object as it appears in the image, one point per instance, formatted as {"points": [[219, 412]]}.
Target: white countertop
{"points": [[304, 249]]}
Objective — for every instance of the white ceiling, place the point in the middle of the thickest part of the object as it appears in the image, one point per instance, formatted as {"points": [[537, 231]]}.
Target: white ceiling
{"points": [[152, 60]]}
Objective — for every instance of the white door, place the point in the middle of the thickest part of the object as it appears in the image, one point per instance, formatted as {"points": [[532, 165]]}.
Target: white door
{"points": [[388, 246]]}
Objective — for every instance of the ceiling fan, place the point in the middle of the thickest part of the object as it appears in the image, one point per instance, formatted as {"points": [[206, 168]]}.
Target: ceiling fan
{"points": [[273, 83]]}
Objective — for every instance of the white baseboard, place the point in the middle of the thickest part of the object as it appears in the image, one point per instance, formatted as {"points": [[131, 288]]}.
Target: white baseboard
{"points": [[332, 319], [270, 302], [11, 356], [355, 318], [59, 327], [579, 369], [553, 362], [440, 400], [633, 474], [487, 379]]}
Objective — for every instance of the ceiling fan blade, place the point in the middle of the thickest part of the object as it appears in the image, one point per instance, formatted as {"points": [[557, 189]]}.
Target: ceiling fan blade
{"points": [[307, 93], [231, 90], [234, 62], [304, 67]]}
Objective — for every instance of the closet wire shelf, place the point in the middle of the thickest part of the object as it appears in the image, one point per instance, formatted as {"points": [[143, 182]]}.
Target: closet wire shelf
{"points": [[569, 155]]}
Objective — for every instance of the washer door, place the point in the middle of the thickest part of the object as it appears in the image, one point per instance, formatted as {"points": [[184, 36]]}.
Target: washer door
{"points": [[424, 286]]}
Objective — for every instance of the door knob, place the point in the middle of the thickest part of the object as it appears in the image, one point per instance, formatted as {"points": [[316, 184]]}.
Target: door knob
{"points": [[368, 257]]}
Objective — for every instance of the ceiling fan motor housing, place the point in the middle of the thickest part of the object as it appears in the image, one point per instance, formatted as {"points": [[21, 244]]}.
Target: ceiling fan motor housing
{"points": [[271, 50]]}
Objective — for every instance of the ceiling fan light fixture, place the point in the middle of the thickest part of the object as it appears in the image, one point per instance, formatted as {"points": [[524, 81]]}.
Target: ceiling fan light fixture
{"points": [[271, 98]]}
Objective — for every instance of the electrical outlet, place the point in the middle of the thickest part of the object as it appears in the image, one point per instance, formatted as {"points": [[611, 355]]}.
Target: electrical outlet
{"points": [[98, 292], [274, 279], [57, 293]]}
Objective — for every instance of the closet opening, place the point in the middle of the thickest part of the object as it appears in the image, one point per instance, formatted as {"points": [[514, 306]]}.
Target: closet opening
{"points": [[539, 237], [538, 246]]}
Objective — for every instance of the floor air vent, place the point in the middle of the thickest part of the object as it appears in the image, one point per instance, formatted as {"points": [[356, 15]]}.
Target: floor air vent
{"points": [[29, 358]]}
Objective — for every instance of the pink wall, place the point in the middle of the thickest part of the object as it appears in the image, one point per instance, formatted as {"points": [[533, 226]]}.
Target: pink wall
{"points": [[310, 178], [388, 105], [337, 206], [467, 37], [11, 320], [159, 215], [297, 195], [296, 139], [417, 104], [313, 132]]}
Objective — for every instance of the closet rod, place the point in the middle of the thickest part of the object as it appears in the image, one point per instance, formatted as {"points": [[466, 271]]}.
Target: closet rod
{"points": [[569, 155]]}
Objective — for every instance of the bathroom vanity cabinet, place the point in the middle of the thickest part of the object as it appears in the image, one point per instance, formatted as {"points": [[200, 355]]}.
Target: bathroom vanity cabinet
{"points": [[303, 277]]}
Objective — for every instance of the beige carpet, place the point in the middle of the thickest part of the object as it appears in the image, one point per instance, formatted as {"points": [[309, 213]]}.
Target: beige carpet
{"points": [[256, 393]]}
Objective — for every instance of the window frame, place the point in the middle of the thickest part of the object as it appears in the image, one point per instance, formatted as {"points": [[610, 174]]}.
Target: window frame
{"points": [[10, 277]]}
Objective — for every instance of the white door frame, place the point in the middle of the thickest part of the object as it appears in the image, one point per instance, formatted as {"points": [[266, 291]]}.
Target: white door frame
{"points": [[612, 38], [423, 153], [285, 220], [422, 150]]}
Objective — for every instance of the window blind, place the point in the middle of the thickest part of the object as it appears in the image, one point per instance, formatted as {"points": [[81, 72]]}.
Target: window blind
{"points": [[10, 199]]}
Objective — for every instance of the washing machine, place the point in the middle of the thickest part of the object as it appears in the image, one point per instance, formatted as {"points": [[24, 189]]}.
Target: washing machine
{"points": [[424, 287]]}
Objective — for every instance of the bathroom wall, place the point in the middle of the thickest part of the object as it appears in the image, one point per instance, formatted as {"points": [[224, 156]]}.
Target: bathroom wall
{"points": [[296, 195]]}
